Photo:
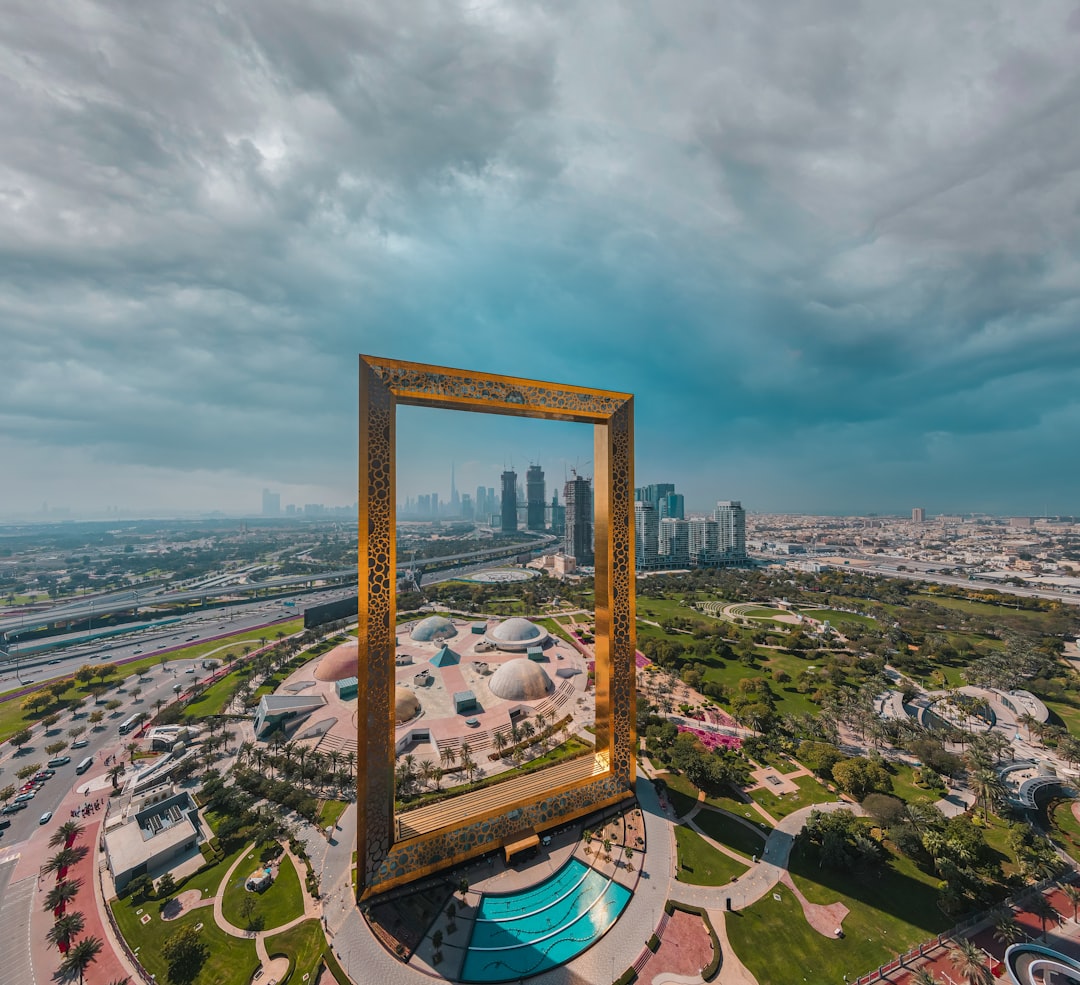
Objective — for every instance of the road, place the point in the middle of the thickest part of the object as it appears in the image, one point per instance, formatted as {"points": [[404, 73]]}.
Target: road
{"points": [[156, 683], [201, 625]]}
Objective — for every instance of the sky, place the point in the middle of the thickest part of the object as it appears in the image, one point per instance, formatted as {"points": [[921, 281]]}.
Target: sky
{"points": [[833, 248]]}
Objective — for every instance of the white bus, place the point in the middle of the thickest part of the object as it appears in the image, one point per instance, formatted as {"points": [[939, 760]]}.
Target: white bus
{"points": [[85, 765], [131, 723]]}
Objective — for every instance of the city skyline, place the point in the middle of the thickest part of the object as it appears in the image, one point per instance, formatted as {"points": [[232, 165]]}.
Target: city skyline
{"points": [[829, 249]]}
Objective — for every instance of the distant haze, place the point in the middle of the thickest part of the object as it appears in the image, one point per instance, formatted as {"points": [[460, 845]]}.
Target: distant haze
{"points": [[831, 248]]}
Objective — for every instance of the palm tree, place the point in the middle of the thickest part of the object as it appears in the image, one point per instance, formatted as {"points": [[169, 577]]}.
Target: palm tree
{"points": [[1042, 908], [350, 761], [61, 894], [448, 756], [923, 977], [500, 742], [1006, 930], [69, 829], [970, 961], [68, 926], [1072, 893], [64, 859], [988, 789], [132, 748], [80, 957], [114, 773]]}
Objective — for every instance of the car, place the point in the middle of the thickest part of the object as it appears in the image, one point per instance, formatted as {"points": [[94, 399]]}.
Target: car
{"points": [[53, 663], [190, 670], [4, 823], [80, 743], [45, 818], [24, 797], [13, 808]]}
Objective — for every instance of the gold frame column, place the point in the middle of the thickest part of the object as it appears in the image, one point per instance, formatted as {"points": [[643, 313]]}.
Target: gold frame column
{"points": [[615, 644], [376, 617]]}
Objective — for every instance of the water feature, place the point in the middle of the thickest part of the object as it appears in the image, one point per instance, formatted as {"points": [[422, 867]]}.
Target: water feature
{"points": [[521, 934]]}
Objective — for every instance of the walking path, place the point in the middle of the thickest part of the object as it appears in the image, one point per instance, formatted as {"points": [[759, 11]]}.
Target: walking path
{"points": [[312, 911]]}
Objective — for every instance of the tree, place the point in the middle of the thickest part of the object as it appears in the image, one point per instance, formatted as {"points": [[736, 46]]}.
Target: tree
{"points": [[68, 830], [64, 859], [185, 954], [54, 747], [95, 717], [970, 961], [1072, 893], [114, 773], [76, 731], [988, 789], [141, 887], [20, 738], [166, 886], [1041, 907], [61, 894], [921, 976], [1006, 930], [64, 929], [6, 793], [80, 957]]}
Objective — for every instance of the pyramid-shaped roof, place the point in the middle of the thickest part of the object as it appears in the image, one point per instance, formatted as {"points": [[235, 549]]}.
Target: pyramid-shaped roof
{"points": [[445, 657]]}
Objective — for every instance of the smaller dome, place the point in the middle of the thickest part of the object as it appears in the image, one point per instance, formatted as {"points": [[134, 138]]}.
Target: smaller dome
{"points": [[433, 628], [520, 679], [517, 634], [406, 705]]}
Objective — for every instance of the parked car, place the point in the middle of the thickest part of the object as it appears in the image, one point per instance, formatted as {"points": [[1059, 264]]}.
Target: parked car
{"points": [[24, 797], [45, 818], [80, 743], [13, 808]]}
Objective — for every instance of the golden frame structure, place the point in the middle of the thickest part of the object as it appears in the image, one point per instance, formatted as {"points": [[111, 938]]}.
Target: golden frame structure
{"points": [[389, 854]]}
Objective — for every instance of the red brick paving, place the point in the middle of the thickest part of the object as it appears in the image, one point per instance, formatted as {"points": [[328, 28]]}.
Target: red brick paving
{"points": [[685, 949]]}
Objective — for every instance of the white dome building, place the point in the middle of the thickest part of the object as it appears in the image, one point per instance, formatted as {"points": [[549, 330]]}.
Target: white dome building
{"points": [[433, 628], [516, 635], [521, 679]]}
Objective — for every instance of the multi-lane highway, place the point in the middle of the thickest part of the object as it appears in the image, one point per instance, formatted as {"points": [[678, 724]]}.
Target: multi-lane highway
{"points": [[200, 625]]}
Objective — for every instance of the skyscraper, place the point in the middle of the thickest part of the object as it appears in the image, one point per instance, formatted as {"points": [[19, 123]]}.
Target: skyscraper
{"points": [[481, 504], [509, 502], [672, 505], [578, 539], [455, 503], [271, 503], [918, 515], [730, 519], [673, 549], [646, 535], [558, 515], [535, 491]]}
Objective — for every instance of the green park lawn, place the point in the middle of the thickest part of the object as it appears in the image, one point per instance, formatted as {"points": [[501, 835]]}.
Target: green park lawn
{"points": [[330, 812], [780, 806], [282, 902], [1066, 828], [733, 834], [680, 787], [907, 790], [303, 945], [702, 865], [231, 961], [888, 914], [1068, 713]]}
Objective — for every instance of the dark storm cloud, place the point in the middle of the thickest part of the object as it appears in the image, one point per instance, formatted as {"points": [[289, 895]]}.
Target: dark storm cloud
{"points": [[797, 227]]}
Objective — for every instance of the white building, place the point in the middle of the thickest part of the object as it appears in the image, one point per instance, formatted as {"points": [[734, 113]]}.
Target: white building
{"points": [[646, 535]]}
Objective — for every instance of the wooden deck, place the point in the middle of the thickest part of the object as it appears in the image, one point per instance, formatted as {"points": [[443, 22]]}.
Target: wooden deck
{"points": [[495, 799]]}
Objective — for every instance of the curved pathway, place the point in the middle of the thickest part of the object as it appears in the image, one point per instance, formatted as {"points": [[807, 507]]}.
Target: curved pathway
{"points": [[312, 908]]}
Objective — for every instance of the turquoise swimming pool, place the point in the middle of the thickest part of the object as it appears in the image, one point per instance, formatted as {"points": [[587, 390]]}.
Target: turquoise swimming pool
{"points": [[521, 934]]}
